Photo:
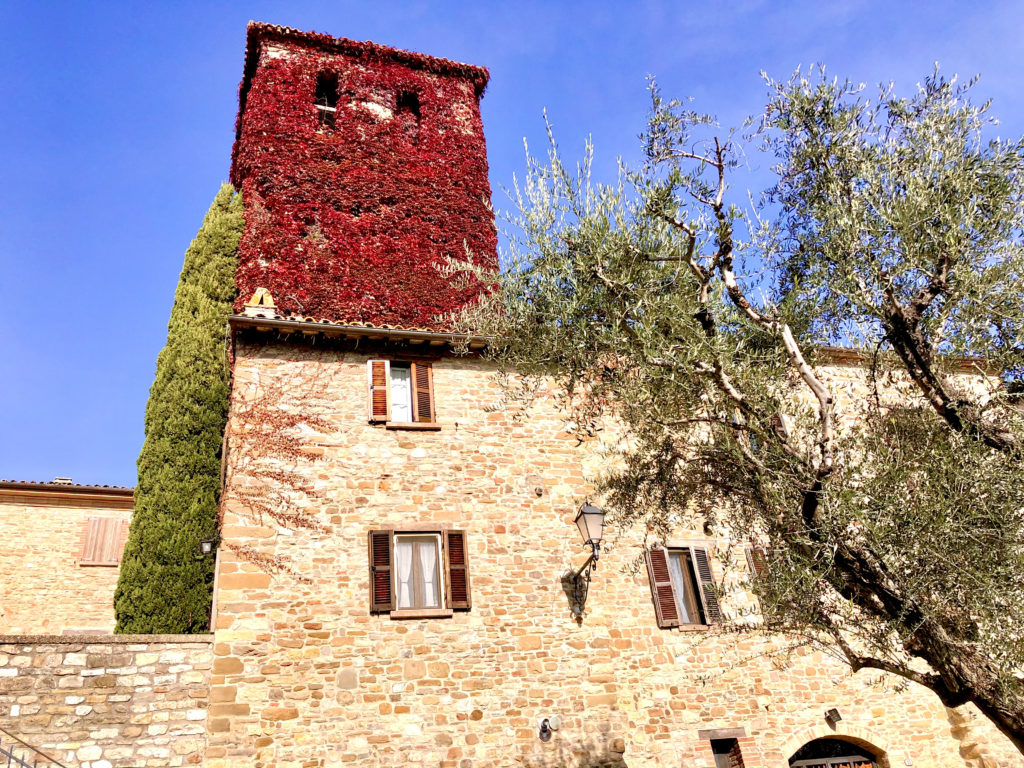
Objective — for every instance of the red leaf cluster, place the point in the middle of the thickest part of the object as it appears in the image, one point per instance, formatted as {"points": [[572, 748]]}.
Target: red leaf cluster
{"points": [[350, 222]]}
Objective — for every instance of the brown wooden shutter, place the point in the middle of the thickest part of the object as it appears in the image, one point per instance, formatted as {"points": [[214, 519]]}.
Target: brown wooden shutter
{"points": [[111, 541], [102, 543], [457, 564], [423, 400], [757, 561], [378, 377], [708, 594], [382, 592], [91, 540], [661, 588], [83, 540]]}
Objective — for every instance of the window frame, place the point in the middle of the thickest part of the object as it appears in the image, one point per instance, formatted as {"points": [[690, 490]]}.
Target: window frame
{"points": [[401, 365], [727, 753], [693, 604], [452, 568], [421, 375], [415, 573], [663, 586], [326, 113]]}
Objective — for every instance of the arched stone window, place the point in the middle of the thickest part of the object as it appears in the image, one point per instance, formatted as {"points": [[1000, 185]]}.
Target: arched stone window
{"points": [[833, 753]]}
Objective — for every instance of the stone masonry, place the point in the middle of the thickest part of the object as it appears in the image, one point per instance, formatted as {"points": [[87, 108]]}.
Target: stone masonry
{"points": [[305, 675], [123, 701]]}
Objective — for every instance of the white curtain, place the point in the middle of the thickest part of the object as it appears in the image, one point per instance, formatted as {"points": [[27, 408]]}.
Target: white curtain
{"points": [[401, 394], [679, 580], [428, 564], [403, 557]]}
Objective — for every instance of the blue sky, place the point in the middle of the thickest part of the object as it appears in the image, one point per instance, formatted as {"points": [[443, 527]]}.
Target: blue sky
{"points": [[116, 122]]}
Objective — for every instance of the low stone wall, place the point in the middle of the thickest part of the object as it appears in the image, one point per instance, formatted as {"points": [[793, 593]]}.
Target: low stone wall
{"points": [[108, 701]]}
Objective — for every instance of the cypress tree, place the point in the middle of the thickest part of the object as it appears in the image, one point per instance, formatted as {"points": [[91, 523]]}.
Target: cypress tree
{"points": [[164, 585]]}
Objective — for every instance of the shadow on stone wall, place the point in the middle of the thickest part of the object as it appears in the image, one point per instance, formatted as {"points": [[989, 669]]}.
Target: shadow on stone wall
{"points": [[600, 750], [965, 727]]}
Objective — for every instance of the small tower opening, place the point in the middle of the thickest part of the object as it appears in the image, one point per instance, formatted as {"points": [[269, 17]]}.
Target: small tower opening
{"points": [[407, 109], [326, 99]]}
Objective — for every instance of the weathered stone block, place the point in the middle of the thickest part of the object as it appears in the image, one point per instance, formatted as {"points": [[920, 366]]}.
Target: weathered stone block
{"points": [[279, 713]]}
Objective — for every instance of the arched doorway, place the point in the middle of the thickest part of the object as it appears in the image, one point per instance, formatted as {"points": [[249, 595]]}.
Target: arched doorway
{"points": [[832, 753]]}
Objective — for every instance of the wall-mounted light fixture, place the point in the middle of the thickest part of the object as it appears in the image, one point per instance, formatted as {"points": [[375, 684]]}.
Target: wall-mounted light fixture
{"points": [[590, 521], [832, 717], [547, 726], [206, 546]]}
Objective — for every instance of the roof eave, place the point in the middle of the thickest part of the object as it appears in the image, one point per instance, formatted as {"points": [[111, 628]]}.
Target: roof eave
{"points": [[341, 330], [61, 494]]}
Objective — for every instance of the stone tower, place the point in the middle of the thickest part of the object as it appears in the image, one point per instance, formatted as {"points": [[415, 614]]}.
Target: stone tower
{"points": [[363, 169]]}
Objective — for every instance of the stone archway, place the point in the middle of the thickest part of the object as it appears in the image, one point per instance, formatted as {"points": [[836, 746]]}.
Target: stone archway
{"points": [[860, 740], [833, 753]]}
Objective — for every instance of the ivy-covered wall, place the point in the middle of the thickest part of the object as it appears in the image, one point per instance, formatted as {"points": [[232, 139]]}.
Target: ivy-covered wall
{"points": [[349, 222]]}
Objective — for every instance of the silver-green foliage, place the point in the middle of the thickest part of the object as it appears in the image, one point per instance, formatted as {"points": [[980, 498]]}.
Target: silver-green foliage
{"points": [[894, 527]]}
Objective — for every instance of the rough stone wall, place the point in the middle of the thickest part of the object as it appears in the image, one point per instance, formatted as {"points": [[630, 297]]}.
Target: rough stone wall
{"points": [[304, 675], [43, 589], [113, 702]]}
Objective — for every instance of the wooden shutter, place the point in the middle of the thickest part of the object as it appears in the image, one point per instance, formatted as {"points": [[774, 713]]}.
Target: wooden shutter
{"points": [[382, 591], [90, 541], [378, 378], [706, 587], [423, 393], [456, 560], [661, 588], [757, 561], [103, 542]]}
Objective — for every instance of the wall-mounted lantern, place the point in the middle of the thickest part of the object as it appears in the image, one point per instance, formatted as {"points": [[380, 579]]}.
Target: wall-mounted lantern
{"points": [[206, 547], [590, 521], [832, 717], [547, 726]]}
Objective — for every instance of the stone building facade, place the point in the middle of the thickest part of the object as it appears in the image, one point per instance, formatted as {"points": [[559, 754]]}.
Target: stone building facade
{"points": [[305, 674], [391, 587], [59, 563], [396, 537]]}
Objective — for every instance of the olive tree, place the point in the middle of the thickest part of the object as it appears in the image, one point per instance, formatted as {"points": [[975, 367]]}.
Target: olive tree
{"points": [[702, 320]]}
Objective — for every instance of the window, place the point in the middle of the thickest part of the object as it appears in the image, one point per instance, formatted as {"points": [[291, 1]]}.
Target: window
{"points": [[407, 108], [682, 586], [102, 541], [401, 394], [727, 753], [418, 573], [326, 99], [757, 561]]}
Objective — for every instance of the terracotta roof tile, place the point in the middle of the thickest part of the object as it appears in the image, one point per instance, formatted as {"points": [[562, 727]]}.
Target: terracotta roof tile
{"points": [[30, 484]]}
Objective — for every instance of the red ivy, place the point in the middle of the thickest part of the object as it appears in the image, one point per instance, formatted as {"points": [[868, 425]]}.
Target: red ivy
{"points": [[350, 223]]}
